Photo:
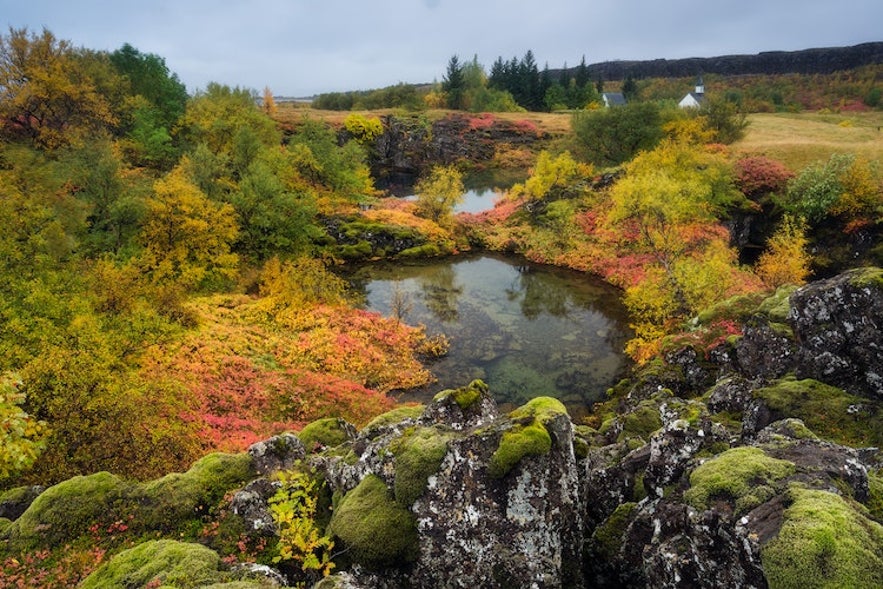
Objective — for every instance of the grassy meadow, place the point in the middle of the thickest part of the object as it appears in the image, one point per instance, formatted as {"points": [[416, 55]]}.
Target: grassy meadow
{"points": [[800, 139]]}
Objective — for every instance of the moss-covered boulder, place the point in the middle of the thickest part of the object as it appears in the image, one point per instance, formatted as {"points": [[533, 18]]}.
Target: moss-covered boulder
{"points": [[67, 510], [376, 530], [463, 408], [328, 432], [528, 437], [418, 455], [744, 477], [168, 563], [173, 500], [828, 411], [824, 542]]}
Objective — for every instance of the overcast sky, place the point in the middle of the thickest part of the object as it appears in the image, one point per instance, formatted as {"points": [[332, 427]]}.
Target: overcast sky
{"points": [[304, 47]]}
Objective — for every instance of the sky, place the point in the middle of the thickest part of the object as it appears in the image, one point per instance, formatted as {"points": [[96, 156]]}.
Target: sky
{"points": [[305, 47]]}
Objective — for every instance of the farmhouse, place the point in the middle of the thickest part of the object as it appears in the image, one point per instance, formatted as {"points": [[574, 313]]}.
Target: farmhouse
{"points": [[696, 98]]}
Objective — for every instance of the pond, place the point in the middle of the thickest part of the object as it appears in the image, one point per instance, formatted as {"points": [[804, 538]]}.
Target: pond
{"points": [[526, 330]]}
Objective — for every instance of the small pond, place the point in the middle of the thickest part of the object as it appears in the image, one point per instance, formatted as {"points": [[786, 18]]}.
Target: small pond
{"points": [[526, 330]]}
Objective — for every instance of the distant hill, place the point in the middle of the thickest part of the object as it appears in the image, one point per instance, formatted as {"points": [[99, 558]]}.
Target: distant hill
{"points": [[808, 61]]}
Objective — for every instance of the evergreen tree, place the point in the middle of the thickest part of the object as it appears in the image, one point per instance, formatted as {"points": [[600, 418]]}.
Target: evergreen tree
{"points": [[582, 73], [454, 84]]}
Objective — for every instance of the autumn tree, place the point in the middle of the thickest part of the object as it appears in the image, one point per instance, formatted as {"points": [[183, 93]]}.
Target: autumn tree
{"points": [[268, 103], [785, 260], [439, 193], [46, 92], [186, 237]]}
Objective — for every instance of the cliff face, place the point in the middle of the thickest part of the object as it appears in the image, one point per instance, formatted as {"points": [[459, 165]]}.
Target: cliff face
{"points": [[751, 464], [808, 61]]}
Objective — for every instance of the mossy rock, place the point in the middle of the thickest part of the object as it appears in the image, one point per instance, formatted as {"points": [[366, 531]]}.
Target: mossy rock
{"points": [[427, 250], [641, 422], [464, 397], [418, 455], [735, 308], [67, 510], [373, 526], [829, 412], [166, 562], [329, 432], [172, 500], [875, 494], [742, 476], [824, 542], [394, 416], [872, 277], [607, 538], [528, 437], [778, 306]]}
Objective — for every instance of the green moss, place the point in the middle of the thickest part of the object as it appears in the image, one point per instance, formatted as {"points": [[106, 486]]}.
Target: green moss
{"points": [[875, 495], [171, 563], [330, 432], [641, 422], [171, 501], [418, 455], [778, 306], [375, 528], [466, 396], [737, 476], [824, 542], [67, 510], [5, 524], [608, 537], [397, 415], [827, 411], [737, 307], [427, 250], [580, 447], [528, 437], [872, 277]]}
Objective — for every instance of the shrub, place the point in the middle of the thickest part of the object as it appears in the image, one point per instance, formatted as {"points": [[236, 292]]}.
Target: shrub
{"points": [[293, 509]]}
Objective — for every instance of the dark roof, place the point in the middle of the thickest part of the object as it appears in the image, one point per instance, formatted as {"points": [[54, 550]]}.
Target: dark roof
{"points": [[613, 98]]}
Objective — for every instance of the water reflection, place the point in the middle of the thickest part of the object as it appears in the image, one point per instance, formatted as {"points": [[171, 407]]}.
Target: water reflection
{"points": [[526, 330]]}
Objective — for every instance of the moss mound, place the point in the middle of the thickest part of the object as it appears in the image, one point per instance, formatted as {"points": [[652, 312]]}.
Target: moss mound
{"points": [[67, 510], [466, 396], [330, 432], [376, 529], [608, 537], [418, 455], [165, 562], [824, 542], [176, 498], [741, 476], [829, 412], [529, 437], [397, 415]]}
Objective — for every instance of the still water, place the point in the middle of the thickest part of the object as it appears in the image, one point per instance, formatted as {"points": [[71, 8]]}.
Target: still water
{"points": [[526, 330]]}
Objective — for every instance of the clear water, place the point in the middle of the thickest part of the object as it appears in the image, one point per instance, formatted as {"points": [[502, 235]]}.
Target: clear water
{"points": [[526, 330], [475, 200]]}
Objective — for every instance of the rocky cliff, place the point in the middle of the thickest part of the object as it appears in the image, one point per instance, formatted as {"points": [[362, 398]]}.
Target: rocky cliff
{"points": [[808, 61], [752, 462]]}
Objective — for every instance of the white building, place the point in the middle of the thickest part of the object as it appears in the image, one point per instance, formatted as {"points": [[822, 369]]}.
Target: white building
{"points": [[696, 98]]}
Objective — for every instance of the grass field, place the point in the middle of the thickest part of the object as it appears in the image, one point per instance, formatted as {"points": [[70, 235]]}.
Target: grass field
{"points": [[801, 139]]}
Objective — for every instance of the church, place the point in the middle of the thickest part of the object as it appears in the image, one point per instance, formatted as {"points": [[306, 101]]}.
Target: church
{"points": [[696, 98]]}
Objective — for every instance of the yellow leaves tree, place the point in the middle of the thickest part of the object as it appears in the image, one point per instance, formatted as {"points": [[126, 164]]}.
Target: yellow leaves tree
{"points": [[47, 92], [186, 236], [269, 103], [22, 437], [553, 176], [438, 194], [785, 260]]}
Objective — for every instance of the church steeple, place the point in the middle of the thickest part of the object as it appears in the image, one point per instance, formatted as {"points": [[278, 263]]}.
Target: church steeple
{"points": [[700, 85]]}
